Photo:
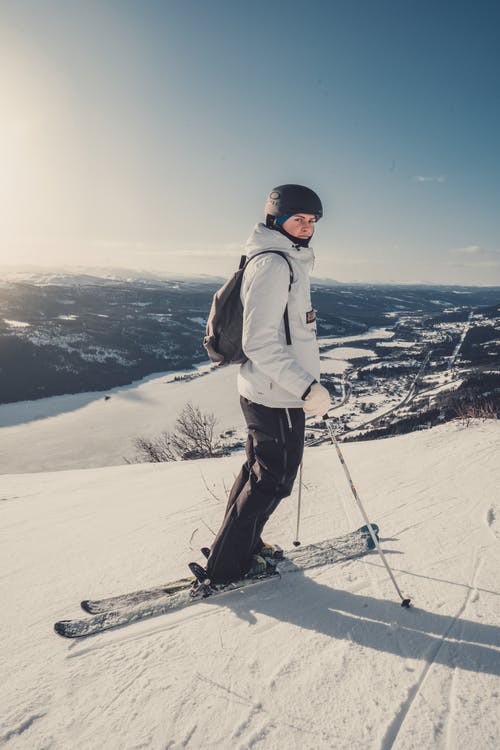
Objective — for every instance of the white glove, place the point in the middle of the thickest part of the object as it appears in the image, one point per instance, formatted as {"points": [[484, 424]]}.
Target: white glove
{"points": [[317, 402]]}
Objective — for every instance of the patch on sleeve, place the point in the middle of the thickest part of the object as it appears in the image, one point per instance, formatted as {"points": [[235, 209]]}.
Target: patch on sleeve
{"points": [[310, 316]]}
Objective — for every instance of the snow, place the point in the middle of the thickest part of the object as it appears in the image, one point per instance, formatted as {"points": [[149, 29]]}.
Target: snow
{"points": [[103, 431], [338, 360], [400, 363], [332, 366], [401, 344], [16, 323], [372, 333], [320, 660], [327, 659], [199, 321], [349, 352], [84, 430]]}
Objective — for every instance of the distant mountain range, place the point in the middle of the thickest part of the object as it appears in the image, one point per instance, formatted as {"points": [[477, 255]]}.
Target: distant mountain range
{"points": [[81, 276], [69, 333]]}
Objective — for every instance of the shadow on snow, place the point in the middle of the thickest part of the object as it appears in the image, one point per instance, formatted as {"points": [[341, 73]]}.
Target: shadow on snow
{"points": [[377, 624]]}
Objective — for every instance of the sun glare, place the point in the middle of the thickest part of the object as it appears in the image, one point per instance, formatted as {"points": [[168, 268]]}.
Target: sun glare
{"points": [[31, 135]]}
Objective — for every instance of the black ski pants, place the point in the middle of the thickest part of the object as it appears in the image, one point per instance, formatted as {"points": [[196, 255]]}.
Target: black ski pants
{"points": [[274, 449]]}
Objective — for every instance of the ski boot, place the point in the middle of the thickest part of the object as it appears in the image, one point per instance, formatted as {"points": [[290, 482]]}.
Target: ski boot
{"points": [[271, 551], [258, 566], [262, 567]]}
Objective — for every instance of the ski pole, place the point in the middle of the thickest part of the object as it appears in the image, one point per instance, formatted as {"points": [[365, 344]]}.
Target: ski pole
{"points": [[296, 542], [404, 602]]}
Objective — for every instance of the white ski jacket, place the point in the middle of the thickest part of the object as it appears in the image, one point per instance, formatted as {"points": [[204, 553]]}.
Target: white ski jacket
{"points": [[277, 374]]}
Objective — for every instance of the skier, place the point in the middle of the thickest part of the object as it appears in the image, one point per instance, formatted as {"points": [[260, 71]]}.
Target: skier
{"points": [[279, 384]]}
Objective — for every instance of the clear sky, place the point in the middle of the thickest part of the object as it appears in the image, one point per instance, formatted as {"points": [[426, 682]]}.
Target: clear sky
{"points": [[147, 134]]}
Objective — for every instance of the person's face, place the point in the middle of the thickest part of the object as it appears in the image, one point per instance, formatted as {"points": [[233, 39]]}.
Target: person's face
{"points": [[300, 225]]}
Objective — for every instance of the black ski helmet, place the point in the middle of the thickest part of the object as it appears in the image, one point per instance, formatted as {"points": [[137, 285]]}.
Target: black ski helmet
{"points": [[286, 200]]}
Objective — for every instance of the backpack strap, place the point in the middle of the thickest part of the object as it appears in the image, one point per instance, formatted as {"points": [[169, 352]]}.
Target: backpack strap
{"points": [[287, 326], [244, 263], [268, 252]]}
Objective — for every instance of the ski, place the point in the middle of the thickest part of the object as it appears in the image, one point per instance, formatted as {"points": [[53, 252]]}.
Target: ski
{"points": [[299, 559], [96, 606]]}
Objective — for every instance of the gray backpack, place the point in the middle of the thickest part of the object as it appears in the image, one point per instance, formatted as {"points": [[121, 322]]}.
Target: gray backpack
{"points": [[225, 321]]}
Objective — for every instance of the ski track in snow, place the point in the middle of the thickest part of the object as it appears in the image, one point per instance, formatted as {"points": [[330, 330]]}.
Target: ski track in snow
{"points": [[120, 636], [327, 661], [414, 692], [263, 717], [21, 728], [493, 522]]}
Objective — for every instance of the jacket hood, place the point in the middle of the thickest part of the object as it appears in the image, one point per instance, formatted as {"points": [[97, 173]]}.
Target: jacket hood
{"points": [[263, 238]]}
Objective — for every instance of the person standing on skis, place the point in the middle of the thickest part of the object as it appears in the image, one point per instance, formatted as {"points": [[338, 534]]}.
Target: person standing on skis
{"points": [[278, 384]]}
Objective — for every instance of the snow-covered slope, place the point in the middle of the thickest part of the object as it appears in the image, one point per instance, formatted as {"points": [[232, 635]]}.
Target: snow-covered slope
{"points": [[324, 660]]}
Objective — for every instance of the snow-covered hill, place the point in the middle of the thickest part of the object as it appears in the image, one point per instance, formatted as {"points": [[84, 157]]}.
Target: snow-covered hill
{"points": [[320, 661]]}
